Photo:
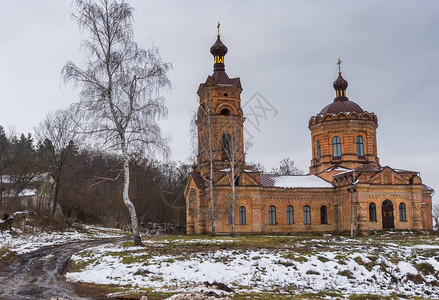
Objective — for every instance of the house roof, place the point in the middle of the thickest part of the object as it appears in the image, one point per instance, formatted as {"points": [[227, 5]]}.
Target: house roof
{"points": [[294, 181]]}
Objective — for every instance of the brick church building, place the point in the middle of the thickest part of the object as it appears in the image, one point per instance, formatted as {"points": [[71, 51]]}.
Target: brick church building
{"points": [[346, 188]]}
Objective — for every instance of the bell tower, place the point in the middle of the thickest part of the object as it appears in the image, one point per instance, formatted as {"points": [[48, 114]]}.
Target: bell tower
{"points": [[220, 118]]}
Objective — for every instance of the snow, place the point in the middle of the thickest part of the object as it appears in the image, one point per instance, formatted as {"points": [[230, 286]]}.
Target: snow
{"points": [[17, 242], [359, 267], [28, 192], [406, 268], [306, 181]]}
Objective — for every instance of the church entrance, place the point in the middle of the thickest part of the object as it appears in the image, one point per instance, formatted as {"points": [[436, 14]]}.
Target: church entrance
{"points": [[387, 215]]}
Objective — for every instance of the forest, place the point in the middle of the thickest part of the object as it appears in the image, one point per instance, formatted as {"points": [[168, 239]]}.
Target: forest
{"points": [[84, 185]]}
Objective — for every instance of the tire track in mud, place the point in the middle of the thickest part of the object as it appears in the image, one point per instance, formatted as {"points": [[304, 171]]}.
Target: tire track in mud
{"points": [[40, 274]]}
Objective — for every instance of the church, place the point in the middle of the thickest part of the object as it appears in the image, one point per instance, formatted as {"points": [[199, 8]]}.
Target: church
{"points": [[346, 190]]}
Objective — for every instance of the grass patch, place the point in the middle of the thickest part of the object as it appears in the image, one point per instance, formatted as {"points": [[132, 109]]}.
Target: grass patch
{"points": [[371, 297], [312, 272], [346, 273], [418, 279], [425, 268], [135, 259], [323, 259], [367, 265], [80, 265], [293, 256]]}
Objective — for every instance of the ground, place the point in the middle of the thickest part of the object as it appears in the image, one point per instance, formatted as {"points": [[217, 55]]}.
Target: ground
{"points": [[387, 264], [33, 265], [103, 261]]}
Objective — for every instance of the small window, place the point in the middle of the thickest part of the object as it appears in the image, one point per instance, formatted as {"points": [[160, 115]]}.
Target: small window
{"points": [[323, 215], [226, 95], [319, 153], [402, 212], [306, 215], [242, 216], [360, 146], [290, 215], [372, 212], [225, 112], [237, 181], [336, 146], [272, 215], [229, 214]]}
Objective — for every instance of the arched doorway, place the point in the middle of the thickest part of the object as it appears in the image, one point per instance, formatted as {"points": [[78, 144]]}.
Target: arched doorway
{"points": [[387, 215]]}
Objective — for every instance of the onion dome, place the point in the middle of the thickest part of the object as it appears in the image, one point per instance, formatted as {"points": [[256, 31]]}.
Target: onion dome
{"points": [[341, 102], [218, 50], [340, 84], [219, 76]]}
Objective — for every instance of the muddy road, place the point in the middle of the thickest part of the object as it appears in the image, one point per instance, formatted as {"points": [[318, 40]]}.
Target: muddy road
{"points": [[40, 274]]}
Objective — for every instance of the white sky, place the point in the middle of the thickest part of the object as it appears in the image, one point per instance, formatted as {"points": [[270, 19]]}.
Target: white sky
{"points": [[285, 50]]}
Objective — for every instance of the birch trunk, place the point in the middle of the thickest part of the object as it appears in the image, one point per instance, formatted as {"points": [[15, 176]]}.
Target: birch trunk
{"points": [[126, 198], [233, 198], [212, 202]]}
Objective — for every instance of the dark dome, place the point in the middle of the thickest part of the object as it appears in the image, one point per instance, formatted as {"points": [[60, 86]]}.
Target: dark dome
{"points": [[218, 49], [338, 106], [340, 83]]}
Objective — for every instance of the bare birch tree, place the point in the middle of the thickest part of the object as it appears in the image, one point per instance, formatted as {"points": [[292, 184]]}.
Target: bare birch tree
{"points": [[120, 100], [287, 167], [208, 142], [233, 152], [57, 138]]}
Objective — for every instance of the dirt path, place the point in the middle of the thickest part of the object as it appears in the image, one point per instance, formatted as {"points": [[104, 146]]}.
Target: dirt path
{"points": [[40, 274]]}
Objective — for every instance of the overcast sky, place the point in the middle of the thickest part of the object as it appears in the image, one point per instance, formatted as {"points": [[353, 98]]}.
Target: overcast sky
{"points": [[285, 50]]}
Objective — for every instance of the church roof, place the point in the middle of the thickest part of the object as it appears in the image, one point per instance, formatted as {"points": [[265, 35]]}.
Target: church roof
{"points": [[338, 106], [341, 101], [199, 182], [294, 181]]}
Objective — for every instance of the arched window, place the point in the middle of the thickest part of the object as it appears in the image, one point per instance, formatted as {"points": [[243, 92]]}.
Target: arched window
{"points": [[229, 215], [323, 215], [372, 212], [272, 215], [290, 215], [306, 215], [225, 112], [226, 144], [242, 216], [402, 212], [319, 151], [360, 146], [336, 146], [237, 181]]}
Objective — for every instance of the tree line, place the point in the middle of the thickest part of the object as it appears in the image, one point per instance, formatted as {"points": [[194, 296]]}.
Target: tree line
{"points": [[84, 184]]}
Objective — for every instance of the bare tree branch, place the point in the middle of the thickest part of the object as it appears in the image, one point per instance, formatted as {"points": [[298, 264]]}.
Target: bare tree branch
{"points": [[120, 102]]}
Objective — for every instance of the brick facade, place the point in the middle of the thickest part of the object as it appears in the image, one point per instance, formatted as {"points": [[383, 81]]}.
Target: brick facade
{"points": [[345, 188]]}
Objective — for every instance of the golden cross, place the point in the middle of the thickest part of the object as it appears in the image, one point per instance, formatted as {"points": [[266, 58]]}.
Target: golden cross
{"points": [[218, 28], [339, 65]]}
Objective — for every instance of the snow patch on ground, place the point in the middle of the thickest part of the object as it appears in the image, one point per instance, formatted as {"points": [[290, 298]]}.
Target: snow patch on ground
{"points": [[354, 268], [19, 243]]}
